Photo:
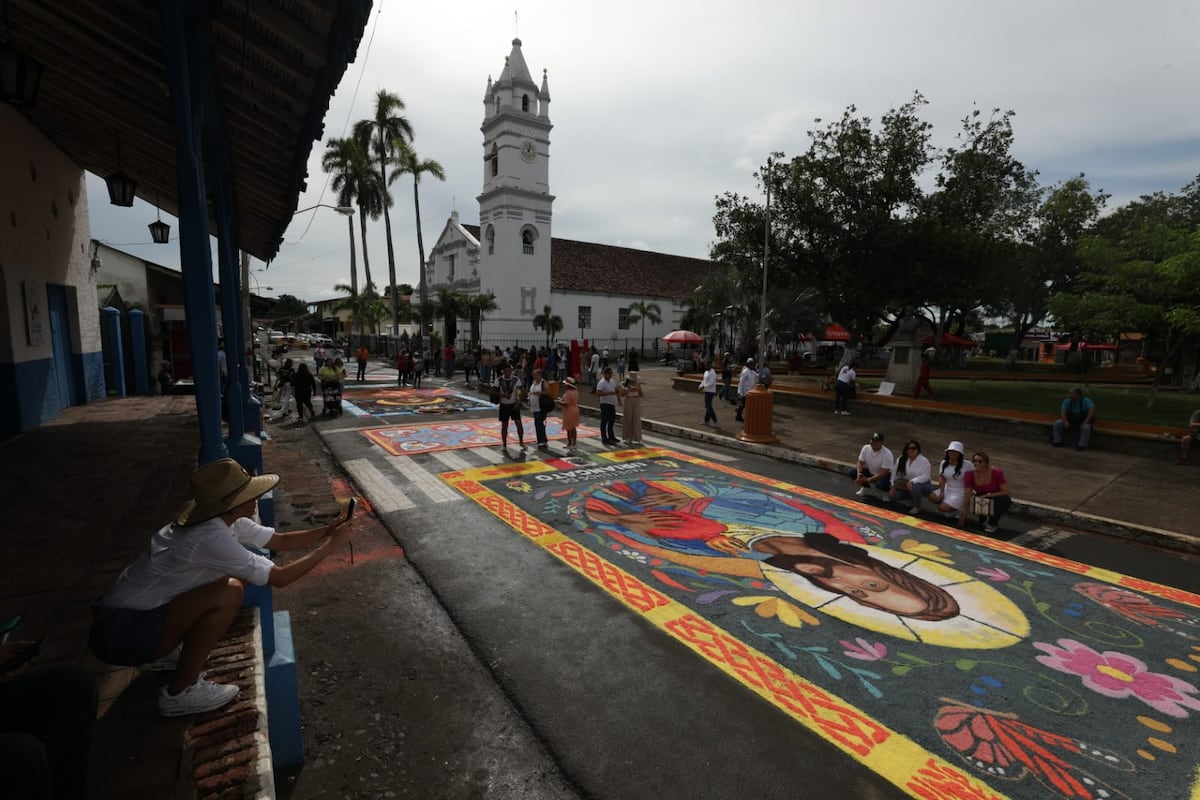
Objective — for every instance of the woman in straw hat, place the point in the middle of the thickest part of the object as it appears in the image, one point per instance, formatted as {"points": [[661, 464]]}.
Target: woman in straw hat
{"points": [[170, 607]]}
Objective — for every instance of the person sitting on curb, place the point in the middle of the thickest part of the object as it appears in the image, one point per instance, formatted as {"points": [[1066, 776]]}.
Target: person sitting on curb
{"points": [[1077, 412], [873, 473], [171, 607], [1185, 441], [912, 479]]}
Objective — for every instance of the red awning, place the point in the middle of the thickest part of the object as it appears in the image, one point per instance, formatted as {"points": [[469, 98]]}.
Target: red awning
{"points": [[835, 333], [950, 340]]}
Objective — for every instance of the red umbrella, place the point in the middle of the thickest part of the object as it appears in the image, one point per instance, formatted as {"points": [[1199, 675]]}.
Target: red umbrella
{"points": [[683, 337]]}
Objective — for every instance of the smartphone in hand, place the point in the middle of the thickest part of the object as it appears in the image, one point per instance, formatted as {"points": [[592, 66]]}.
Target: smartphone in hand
{"points": [[350, 507]]}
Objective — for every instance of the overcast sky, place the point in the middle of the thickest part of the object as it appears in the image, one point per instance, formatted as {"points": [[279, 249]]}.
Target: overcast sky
{"points": [[659, 107]]}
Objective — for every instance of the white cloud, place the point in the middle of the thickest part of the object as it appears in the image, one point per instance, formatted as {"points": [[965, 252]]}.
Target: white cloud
{"points": [[660, 107]]}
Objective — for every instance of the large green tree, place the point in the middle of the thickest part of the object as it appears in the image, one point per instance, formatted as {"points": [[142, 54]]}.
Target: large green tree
{"points": [[408, 163], [476, 306], [383, 133]]}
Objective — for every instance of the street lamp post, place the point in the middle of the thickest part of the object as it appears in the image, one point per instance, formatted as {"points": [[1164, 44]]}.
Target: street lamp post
{"points": [[762, 320]]}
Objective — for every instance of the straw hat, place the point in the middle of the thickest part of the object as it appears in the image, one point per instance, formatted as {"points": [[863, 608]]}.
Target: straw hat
{"points": [[633, 377], [220, 487], [569, 381]]}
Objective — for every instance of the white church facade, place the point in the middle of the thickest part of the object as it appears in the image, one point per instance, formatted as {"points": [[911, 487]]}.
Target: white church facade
{"points": [[513, 255]]}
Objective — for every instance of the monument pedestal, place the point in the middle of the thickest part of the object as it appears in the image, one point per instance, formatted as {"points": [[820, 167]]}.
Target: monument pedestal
{"points": [[904, 368]]}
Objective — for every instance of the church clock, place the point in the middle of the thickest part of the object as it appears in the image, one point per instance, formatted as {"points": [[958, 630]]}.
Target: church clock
{"points": [[529, 152]]}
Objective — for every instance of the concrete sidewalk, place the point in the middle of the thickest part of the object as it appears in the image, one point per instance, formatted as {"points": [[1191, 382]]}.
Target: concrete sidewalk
{"points": [[1104, 491]]}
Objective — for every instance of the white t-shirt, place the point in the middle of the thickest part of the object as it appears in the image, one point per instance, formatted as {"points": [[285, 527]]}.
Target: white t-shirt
{"points": [[847, 374], [877, 461], [708, 383], [747, 380], [181, 558], [607, 385]]}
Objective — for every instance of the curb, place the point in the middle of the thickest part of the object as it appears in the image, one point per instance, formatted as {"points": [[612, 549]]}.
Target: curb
{"points": [[1143, 534]]}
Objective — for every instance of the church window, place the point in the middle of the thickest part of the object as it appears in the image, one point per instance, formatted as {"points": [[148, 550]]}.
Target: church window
{"points": [[623, 319], [585, 317], [527, 242], [496, 104], [525, 102], [451, 259], [491, 240], [495, 161]]}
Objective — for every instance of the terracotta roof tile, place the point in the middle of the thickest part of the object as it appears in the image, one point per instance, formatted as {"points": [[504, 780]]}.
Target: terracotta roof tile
{"points": [[589, 267]]}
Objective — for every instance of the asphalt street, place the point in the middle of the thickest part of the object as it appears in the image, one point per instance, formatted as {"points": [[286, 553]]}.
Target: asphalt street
{"points": [[622, 710]]}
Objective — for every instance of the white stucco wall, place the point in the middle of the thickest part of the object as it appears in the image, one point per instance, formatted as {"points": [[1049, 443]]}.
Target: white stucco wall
{"points": [[44, 237]]}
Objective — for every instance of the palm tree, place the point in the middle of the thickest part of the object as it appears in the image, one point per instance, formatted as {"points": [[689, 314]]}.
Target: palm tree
{"points": [[450, 306], [355, 181], [640, 311], [381, 133], [477, 305], [366, 308], [550, 322], [407, 163]]}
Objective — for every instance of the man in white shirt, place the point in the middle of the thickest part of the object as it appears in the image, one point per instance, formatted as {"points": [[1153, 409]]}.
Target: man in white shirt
{"points": [[708, 385], [606, 388], [746, 382], [170, 607], [873, 473]]}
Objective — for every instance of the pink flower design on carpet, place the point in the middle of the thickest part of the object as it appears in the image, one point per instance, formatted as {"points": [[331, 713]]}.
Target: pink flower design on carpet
{"points": [[994, 574], [863, 650], [1118, 675]]}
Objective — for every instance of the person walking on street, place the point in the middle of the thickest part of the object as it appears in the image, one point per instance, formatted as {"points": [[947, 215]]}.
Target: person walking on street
{"points": [[284, 389], [540, 403], [305, 386], [510, 406], [361, 355], [746, 382], [1077, 412], [606, 389], [708, 385], [631, 418], [418, 369], [319, 357], [570, 413], [845, 389]]}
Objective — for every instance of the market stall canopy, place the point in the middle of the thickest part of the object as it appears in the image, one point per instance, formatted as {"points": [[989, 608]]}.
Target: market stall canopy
{"points": [[950, 340], [683, 337], [835, 333]]}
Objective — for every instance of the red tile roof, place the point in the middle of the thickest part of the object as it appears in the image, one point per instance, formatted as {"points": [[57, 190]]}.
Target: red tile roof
{"points": [[606, 269]]}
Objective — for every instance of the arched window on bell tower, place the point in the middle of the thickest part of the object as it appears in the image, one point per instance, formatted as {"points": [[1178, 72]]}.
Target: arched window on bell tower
{"points": [[495, 161], [491, 240], [528, 237], [525, 103]]}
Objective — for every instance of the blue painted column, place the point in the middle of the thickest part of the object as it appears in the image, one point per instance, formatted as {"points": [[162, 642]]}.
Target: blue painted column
{"points": [[179, 20], [112, 327], [137, 343]]}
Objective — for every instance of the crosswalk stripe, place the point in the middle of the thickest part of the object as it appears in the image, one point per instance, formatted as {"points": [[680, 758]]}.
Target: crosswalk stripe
{"points": [[425, 481], [452, 460], [488, 454], [385, 495]]}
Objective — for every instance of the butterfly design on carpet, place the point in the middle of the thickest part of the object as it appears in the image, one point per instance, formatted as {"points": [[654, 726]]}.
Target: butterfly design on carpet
{"points": [[1139, 608], [999, 745]]}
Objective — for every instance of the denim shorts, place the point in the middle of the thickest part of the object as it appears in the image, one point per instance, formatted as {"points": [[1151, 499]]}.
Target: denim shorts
{"points": [[127, 637]]}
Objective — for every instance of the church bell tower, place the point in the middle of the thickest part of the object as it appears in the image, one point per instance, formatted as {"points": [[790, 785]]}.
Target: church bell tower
{"points": [[515, 205]]}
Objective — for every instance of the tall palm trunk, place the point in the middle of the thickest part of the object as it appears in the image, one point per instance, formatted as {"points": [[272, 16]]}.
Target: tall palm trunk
{"points": [[387, 226], [362, 218], [424, 287]]}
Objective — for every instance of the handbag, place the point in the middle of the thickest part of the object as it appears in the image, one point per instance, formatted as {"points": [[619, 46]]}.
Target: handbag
{"points": [[545, 403], [982, 506]]}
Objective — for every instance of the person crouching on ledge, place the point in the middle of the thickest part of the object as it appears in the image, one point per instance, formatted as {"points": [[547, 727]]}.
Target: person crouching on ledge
{"points": [[170, 608]]}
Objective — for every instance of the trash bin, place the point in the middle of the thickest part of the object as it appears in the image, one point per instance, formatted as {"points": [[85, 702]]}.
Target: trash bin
{"points": [[759, 413]]}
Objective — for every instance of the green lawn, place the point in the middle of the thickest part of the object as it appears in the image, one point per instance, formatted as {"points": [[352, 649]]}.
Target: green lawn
{"points": [[1126, 404]]}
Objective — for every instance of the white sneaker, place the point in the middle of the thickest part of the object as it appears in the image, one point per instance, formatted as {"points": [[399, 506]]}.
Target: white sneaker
{"points": [[203, 695], [862, 492], [845, 413], [167, 663]]}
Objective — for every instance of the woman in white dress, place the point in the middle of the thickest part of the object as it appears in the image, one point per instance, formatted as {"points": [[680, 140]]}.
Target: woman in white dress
{"points": [[951, 492]]}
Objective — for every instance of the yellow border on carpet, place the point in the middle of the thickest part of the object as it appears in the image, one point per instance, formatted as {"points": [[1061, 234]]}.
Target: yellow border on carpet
{"points": [[884, 751]]}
